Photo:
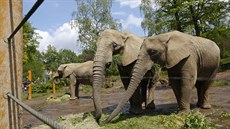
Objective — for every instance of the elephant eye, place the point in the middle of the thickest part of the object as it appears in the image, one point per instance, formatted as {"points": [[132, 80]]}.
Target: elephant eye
{"points": [[114, 45], [152, 52]]}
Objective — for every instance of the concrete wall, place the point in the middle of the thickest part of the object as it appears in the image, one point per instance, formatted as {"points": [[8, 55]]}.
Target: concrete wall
{"points": [[10, 79]]}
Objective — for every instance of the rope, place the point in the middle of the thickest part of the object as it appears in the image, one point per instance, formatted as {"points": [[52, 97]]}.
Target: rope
{"points": [[38, 115]]}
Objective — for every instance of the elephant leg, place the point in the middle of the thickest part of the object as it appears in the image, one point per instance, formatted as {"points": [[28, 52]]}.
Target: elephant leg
{"points": [[202, 93], [77, 90], [72, 87], [186, 89], [136, 99], [174, 82], [136, 102], [150, 100], [184, 73]]}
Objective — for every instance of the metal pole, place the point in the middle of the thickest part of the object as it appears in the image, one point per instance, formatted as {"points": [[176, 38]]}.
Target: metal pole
{"points": [[30, 85], [29, 14], [53, 84], [38, 115]]}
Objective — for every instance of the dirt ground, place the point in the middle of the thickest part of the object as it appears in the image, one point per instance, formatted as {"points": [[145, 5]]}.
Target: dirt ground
{"points": [[164, 100]]}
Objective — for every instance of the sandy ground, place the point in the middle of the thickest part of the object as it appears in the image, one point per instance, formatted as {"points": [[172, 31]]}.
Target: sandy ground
{"points": [[164, 100]]}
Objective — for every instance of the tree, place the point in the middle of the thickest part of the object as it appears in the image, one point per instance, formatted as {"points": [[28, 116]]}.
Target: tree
{"points": [[67, 56], [50, 58], [91, 18], [30, 42], [36, 65], [32, 59], [192, 16]]}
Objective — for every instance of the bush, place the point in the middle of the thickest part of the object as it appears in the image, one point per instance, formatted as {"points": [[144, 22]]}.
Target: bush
{"points": [[197, 121], [44, 87]]}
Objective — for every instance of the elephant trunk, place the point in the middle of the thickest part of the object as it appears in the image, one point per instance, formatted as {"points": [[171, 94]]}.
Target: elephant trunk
{"points": [[137, 75], [98, 80], [56, 80]]}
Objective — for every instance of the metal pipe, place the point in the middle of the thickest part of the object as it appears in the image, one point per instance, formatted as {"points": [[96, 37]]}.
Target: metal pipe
{"points": [[29, 14], [38, 115]]}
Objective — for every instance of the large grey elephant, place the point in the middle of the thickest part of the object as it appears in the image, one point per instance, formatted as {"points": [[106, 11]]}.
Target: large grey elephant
{"points": [[190, 61], [112, 42], [78, 73]]}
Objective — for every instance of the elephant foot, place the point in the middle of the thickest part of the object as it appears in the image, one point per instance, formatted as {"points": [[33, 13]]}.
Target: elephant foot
{"points": [[135, 110], [204, 106], [73, 98], [184, 111], [151, 105]]}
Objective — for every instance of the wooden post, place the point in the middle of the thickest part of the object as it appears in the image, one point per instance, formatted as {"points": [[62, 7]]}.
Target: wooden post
{"points": [[11, 55], [54, 85], [30, 85]]}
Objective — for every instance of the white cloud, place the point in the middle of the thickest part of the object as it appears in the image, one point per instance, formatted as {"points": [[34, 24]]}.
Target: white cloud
{"points": [[130, 3], [131, 21], [119, 13], [64, 37]]}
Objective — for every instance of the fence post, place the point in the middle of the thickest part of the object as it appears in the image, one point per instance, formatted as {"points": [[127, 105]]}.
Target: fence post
{"points": [[30, 84], [53, 84]]}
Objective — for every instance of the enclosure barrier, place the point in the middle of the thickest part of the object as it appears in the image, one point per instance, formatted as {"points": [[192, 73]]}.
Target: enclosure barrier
{"points": [[13, 74], [38, 115]]}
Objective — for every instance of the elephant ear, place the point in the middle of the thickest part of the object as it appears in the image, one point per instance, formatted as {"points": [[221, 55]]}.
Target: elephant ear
{"points": [[132, 46], [67, 71], [177, 50]]}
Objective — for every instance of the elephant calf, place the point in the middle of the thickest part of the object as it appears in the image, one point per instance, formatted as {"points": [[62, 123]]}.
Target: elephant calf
{"points": [[78, 73]]}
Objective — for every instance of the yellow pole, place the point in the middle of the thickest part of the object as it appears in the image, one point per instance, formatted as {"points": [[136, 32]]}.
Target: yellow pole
{"points": [[30, 85], [54, 85]]}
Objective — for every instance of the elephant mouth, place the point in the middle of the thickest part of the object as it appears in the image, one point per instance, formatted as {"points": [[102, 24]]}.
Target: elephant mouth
{"points": [[107, 65]]}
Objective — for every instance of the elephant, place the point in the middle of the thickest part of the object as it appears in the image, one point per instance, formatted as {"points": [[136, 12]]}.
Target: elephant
{"points": [[190, 61], [112, 42], [78, 73]]}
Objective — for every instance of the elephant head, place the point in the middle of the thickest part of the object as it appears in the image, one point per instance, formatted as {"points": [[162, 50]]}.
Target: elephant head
{"points": [[63, 71], [109, 43], [165, 49]]}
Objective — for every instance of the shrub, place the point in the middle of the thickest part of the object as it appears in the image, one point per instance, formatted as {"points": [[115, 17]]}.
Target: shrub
{"points": [[197, 121]]}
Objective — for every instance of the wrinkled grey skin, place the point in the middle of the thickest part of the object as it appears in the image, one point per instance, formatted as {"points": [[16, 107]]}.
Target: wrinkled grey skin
{"points": [[190, 61], [112, 42], [78, 73]]}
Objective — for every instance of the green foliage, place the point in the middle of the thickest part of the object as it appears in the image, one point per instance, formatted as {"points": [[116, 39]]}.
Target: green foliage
{"points": [[36, 65], [86, 55], [113, 70], [86, 89], [197, 121], [220, 83], [193, 120], [67, 56], [225, 115], [192, 16], [44, 88], [93, 17], [53, 58], [32, 59], [30, 42]]}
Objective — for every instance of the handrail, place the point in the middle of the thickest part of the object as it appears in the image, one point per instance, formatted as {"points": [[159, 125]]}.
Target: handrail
{"points": [[38, 115], [29, 14]]}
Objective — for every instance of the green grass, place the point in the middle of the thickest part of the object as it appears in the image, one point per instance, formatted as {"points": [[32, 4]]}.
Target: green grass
{"points": [[220, 83], [171, 121], [86, 89]]}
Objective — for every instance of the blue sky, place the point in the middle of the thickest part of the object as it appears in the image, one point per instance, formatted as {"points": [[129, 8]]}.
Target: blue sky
{"points": [[52, 18]]}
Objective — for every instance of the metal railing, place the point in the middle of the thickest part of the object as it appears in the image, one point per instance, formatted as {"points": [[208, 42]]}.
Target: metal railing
{"points": [[38, 115]]}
